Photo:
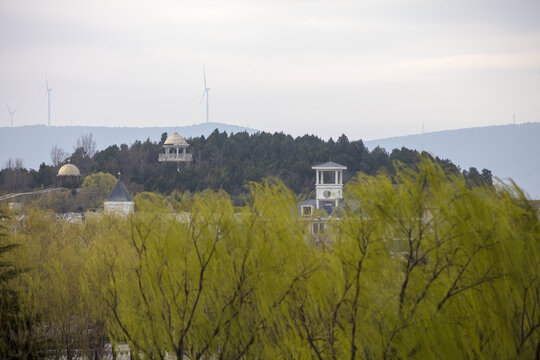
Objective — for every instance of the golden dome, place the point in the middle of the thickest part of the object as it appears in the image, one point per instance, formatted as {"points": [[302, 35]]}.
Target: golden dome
{"points": [[175, 139], [69, 170]]}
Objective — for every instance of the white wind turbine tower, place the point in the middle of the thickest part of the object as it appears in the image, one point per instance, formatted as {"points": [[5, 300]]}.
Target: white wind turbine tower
{"points": [[205, 92], [11, 113], [48, 89]]}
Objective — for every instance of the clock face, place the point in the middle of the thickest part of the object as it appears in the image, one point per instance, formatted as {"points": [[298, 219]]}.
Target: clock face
{"points": [[327, 193]]}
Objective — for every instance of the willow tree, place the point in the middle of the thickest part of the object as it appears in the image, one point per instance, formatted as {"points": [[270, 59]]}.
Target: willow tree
{"points": [[423, 266], [12, 329], [210, 281], [54, 253]]}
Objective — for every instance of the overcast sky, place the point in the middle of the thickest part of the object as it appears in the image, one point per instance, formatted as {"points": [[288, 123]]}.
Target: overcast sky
{"points": [[366, 68]]}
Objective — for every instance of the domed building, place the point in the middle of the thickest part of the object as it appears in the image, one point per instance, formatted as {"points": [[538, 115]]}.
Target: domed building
{"points": [[69, 170], [69, 176], [175, 149]]}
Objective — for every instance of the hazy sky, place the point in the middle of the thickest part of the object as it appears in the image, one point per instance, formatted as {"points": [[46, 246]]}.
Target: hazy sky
{"points": [[366, 68]]}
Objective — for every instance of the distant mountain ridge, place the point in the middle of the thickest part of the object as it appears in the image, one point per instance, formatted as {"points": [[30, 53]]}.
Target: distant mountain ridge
{"points": [[509, 151], [33, 143]]}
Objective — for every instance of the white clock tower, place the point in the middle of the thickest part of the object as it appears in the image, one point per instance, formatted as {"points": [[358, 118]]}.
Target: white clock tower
{"points": [[328, 183]]}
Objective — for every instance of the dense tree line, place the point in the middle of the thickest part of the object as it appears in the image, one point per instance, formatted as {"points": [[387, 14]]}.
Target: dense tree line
{"points": [[421, 266], [222, 161]]}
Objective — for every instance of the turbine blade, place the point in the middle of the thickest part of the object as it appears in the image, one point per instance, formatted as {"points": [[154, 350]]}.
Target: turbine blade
{"points": [[202, 98], [204, 76]]}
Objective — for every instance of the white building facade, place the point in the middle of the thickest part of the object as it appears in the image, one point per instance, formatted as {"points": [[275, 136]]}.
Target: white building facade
{"points": [[328, 197], [328, 184]]}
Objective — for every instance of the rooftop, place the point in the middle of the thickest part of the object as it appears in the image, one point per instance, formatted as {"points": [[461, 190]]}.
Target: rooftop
{"points": [[69, 170], [119, 193], [329, 166], [175, 139]]}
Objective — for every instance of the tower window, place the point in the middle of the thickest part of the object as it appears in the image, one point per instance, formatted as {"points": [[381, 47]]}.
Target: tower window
{"points": [[329, 177], [306, 210]]}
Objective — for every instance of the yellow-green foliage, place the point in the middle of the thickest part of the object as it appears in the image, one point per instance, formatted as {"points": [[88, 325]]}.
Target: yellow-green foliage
{"points": [[99, 184], [420, 266]]}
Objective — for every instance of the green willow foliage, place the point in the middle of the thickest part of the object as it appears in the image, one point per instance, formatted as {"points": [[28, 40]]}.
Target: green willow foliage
{"points": [[429, 268], [420, 266], [16, 325], [9, 304]]}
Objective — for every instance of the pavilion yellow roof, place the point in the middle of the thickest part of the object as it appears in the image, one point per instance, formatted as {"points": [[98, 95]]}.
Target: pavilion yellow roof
{"points": [[69, 170]]}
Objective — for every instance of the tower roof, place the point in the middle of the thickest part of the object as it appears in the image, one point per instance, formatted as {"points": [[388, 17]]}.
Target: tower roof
{"points": [[329, 166], [69, 170], [119, 193], [175, 139]]}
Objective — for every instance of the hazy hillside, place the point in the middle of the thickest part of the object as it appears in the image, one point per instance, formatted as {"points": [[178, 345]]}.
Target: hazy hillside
{"points": [[33, 143], [509, 151]]}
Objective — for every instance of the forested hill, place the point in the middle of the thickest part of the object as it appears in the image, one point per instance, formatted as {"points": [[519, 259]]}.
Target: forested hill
{"points": [[509, 151], [32, 144], [223, 161]]}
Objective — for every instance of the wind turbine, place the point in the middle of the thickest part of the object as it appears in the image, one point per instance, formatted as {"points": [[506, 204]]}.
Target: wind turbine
{"points": [[48, 89], [11, 113], [205, 92]]}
